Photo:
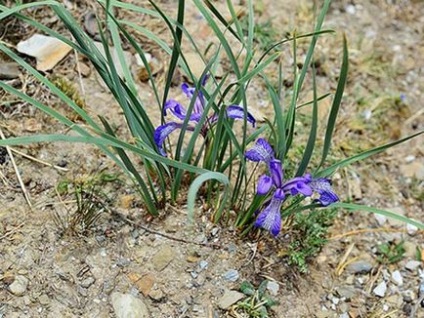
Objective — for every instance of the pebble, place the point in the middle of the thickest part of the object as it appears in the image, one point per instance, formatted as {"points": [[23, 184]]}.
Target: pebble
{"points": [[44, 300], [47, 50], [346, 292], [9, 70], [157, 295], [19, 285], [397, 278], [232, 275], [163, 257], [344, 315], [202, 265], [360, 267], [381, 289], [410, 249], [412, 265], [411, 229], [86, 283], [409, 296], [128, 306], [273, 288], [229, 298], [381, 219], [393, 222]]}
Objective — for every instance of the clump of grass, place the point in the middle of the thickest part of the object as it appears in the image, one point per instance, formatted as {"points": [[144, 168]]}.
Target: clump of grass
{"points": [[309, 235], [258, 302], [390, 253], [89, 203]]}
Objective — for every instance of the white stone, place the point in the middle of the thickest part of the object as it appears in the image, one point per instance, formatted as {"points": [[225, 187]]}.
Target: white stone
{"points": [[397, 278], [411, 229], [47, 50], [381, 219], [273, 288], [19, 285], [381, 289], [412, 265], [128, 306], [229, 298]]}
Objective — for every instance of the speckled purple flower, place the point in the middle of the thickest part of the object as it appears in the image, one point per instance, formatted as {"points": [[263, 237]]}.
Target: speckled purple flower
{"points": [[180, 112], [270, 216]]}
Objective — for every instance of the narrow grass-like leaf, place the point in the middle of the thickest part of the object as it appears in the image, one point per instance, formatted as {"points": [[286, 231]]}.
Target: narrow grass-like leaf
{"points": [[197, 183], [336, 102], [362, 156], [364, 208], [307, 154]]}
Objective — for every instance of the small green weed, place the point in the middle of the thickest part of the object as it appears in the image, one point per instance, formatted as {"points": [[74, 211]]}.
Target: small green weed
{"points": [[390, 253], [258, 302], [265, 34], [309, 237]]}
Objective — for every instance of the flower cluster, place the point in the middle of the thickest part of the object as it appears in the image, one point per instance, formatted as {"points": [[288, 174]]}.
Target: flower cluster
{"points": [[180, 112], [273, 183]]}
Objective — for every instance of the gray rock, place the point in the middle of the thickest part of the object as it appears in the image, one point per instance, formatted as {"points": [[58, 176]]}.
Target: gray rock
{"points": [[163, 257], [9, 70], [128, 306], [394, 222], [381, 219], [360, 267], [412, 265], [397, 278], [381, 289], [86, 283], [44, 300], [156, 295], [202, 265], [410, 249], [232, 275], [344, 315], [273, 288], [229, 298], [346, 292], [19, 285]]}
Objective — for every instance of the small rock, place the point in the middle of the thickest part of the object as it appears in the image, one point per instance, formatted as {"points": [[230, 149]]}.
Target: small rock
{"points": [[229, 298], [335, 300], [143, 283], [410, 249], [19, 285], [48, 51], [90, 24], [381, 289], [394, 222], [44, 300], [163, 257], [409, 296], [397, 278], [350, 8], [411, 229], [9, 70], [412, 265], [413, 169], [360, 267], [381, 219], [346, 292], [86, 283], [128, 306], [157, 295], [232, 275], [273, 288], [83, 68], [344, 315], [202, 265]]}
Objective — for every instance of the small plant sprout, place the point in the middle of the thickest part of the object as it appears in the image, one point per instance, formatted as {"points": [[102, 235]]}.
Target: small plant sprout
{"points": [[273, 184], [180, 112]]}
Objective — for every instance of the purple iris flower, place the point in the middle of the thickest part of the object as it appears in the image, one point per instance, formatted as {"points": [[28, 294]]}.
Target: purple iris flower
{"points": [[270, 217], [179, 111]]}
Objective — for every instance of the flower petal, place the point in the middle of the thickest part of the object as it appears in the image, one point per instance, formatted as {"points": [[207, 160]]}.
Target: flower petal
{"points": [[276, 169], [200, 99], [176, 108], [323, 187], [298, 185], [261, 151], [270, 218], [162, 132], [238, 112], [264, 185]]}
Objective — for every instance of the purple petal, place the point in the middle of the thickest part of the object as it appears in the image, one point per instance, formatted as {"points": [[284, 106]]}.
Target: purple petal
{"points": [[176, 108], [264, 185], [162, 132], [261, 151], [205, 79], [238, 112], [323, 187], [270, 218], [298, 185], [276, 169], [190, 92]]}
